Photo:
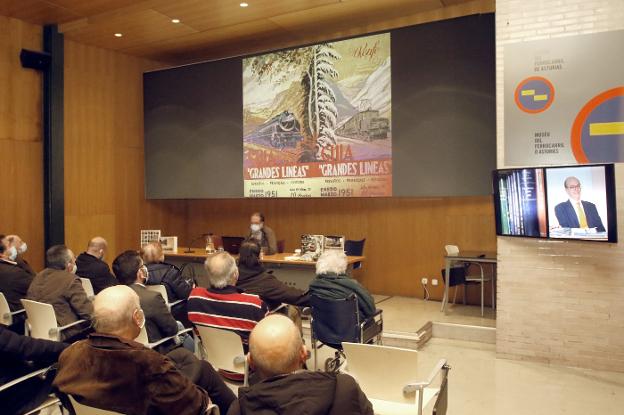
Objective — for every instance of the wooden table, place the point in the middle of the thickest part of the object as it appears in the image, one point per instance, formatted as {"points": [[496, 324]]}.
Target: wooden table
{"points": [[295, 273]]}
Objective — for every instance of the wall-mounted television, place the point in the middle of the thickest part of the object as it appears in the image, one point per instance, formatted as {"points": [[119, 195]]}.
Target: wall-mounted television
{"points": [[562, 202]]}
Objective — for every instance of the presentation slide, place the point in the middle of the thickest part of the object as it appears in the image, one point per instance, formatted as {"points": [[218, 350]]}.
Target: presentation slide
{"points": [[317, 120], [577, 202], [521, 209]]}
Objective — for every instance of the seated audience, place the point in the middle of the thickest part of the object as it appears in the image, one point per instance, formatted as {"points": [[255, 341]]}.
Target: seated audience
{"points": [[277, 354], [14, 280], [218, 303], [130, 270], [14, 241], [91, 265], [333, 283], [168, 275], [19, 356], [262, 234], [111, 371], [58, 285], [253, 278]]}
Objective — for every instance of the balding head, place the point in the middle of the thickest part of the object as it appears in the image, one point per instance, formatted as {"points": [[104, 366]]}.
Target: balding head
{"points": [[152, 253], [275, 347], [221, 269], [97, 247], [117, 311]]}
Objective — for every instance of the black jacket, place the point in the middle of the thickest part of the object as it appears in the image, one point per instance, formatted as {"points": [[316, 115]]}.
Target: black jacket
{"points": [[20, 355], [304, 392], [96, 270], [14, 283], [273, 291], [171, 277], [159, 323]]}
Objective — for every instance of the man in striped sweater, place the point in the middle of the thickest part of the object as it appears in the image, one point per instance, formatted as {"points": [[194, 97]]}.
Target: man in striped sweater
{"points": [[218, 303]]}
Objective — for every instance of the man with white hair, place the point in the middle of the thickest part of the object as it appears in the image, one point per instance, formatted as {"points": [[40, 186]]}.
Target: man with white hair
{"points": [[90, 264], [18, 248], [277, 355], [217, 302], [111, 371], [333, 283]]}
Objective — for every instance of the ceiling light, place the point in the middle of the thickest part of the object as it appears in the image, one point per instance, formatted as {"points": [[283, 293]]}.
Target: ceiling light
{"points": [[243, 4], [175, 20], [118, 34]]}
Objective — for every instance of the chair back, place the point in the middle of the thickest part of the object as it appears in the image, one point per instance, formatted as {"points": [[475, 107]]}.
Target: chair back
{"points": [[88, 287], [354, 248], [335, 321], [5, 312], [81, 409], [281, 246], [142, 337], [222, 348], [365, 362], [160, 289], [451, 250], [41, 319]]}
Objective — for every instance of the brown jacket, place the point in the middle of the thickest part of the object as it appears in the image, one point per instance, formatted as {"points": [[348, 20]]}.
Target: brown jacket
{"points": [[121, 375], [64, 291]]}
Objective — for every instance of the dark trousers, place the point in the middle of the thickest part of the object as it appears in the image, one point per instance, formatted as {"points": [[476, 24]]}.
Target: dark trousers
{"points": [[217, 390]]}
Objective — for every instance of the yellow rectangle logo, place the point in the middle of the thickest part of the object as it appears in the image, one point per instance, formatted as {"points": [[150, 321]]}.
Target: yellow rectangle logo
{"points": [[540, 98], [606, 128], [526, 92]]}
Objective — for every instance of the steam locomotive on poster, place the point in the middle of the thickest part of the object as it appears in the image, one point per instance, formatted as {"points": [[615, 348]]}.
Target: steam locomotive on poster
{"points": [[365, 125], [279, 132]]}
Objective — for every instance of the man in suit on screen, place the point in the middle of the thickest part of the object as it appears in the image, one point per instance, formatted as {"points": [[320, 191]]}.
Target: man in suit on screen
{"points": [[577, 213]]}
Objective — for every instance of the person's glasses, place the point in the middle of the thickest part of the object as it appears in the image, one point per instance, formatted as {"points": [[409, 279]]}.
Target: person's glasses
{"points": [[577, 187]]}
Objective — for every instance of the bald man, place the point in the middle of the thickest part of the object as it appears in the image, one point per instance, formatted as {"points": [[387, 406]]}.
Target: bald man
{"points": [[277, 354], [91, 265], [111, 371]]}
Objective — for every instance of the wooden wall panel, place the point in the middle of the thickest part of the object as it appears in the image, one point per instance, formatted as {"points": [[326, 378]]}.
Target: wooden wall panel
{"points": [[405, 236], [21, 154], [104, 184]]}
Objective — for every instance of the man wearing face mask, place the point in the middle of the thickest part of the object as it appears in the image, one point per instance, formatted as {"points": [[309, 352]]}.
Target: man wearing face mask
{"points": [[19, 248], [111, 371], [14, 280], [90, 265], [58, 285], [262, 234]]}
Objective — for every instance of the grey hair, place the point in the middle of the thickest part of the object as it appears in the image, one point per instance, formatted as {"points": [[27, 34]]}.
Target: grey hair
{"points": [[220, 268], [113, 309], [568, 179], [332, 261]]}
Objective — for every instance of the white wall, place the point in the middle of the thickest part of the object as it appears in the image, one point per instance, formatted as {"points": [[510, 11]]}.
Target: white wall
{"points": [[559, 301]]}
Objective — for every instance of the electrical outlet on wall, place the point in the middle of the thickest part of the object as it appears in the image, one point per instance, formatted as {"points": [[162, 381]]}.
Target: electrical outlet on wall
{"points": [[434, 281], [424, 281]]}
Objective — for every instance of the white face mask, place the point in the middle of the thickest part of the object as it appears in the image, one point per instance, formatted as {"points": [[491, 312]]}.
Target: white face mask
{"points": [[145, 273], [12, 252], [255, 227], [74, 269], [142, 324], [23, 248]]}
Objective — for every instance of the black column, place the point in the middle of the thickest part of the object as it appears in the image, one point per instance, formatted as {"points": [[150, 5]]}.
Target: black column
{"points": [[53, 143]]}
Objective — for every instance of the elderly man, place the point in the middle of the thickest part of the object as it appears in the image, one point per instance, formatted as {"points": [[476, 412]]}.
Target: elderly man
{"points": [[58, 285], [333, 283], [111, 371], [223, 305], [17, 248], [14, 280], [277, 354], [91, 265], [163, 273], [262, 234], [577, 213]]}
